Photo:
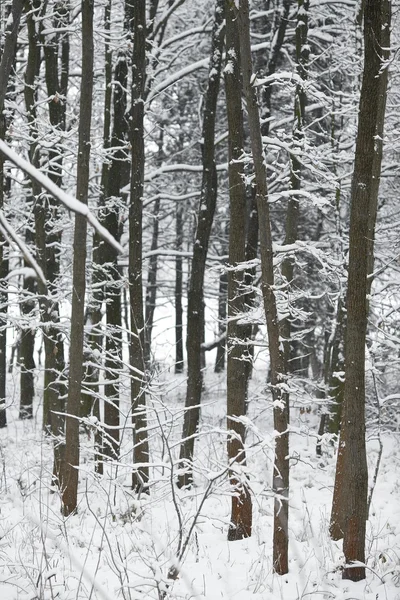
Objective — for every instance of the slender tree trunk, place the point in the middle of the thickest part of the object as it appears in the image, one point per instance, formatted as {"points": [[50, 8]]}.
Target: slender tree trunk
{"points": [[26, 347], [222, 299], [140, 476], [292, 215], [179, 363], [47, 243], [27, 344], [237, 370], [3, 299], [48, 237], [277, 363], [208, 198], [151, 288], [376, 175], [349, 509], [7, 60], [111, 220], [71, 462], [3, 311], [10, 47]]}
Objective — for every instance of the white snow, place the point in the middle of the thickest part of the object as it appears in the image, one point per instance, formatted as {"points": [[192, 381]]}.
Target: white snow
{"points": [[67, 200]]}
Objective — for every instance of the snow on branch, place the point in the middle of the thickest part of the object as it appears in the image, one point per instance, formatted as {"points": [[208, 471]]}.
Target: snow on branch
{"points": [[11, 235], [67, 200]]}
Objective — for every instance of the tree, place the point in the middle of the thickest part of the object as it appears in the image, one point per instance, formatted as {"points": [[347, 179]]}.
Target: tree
{"points": [[8, 52], [208, 198], [349, 510], [237, 333], [277, 364], [70, 470], [140, 477]]}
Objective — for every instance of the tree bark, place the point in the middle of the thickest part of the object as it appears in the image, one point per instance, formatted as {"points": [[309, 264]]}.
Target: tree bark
{"points": [[349, 509], [140, 476], [10, 48], [71, 460], [237, 335], [277, 363], [195, 311], [292, 215], [179, 362], [151, 288], [7, 60]]}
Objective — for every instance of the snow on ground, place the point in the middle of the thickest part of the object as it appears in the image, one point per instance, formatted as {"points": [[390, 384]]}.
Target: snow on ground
{"points": [[121, 546]]}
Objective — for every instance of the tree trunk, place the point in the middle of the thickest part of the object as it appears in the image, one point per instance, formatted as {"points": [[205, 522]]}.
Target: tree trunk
{"points": [[277, 363], [208, 198], [27, 345], [49, 234], [10, 47], [349, 509], [140, 476], [292, 215], [179, 363], [222, 298], [71, 461], [48, 240], [7, 60], [151, 288], [376, 174], [237, 370], [111, 220]]}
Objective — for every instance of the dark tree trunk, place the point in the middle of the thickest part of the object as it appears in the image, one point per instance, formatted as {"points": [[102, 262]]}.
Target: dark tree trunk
{"points": [[376, 174], [278, 41], [71, 460], [7, 59], [222, 300], [151, 288], [293, 364], [208, 198], [140, 476], [349, 510], [277, 363], [47, 245], [179, 363], [111, 220], [3, 306], [27, 344], [48, 237], [9, 49], [237, 368]]}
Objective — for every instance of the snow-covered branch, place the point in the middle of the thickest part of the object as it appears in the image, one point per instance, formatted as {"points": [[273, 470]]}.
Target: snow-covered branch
{"points": [[67, 200]]}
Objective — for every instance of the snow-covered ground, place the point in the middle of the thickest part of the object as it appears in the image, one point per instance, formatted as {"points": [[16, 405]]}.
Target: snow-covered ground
{"points": [[121, 546]]}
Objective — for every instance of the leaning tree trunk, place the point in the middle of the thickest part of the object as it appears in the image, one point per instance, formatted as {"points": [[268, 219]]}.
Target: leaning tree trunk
{"points": [[208, 198], [349, 510], [71, 460], [277, 363], [237, 334]]}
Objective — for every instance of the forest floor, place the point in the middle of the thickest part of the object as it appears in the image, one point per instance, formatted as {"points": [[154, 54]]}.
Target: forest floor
{"points": [[122, 546]]}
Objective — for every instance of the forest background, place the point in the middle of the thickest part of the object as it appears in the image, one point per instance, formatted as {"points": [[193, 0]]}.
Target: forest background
{"points": [[175, 379]]}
